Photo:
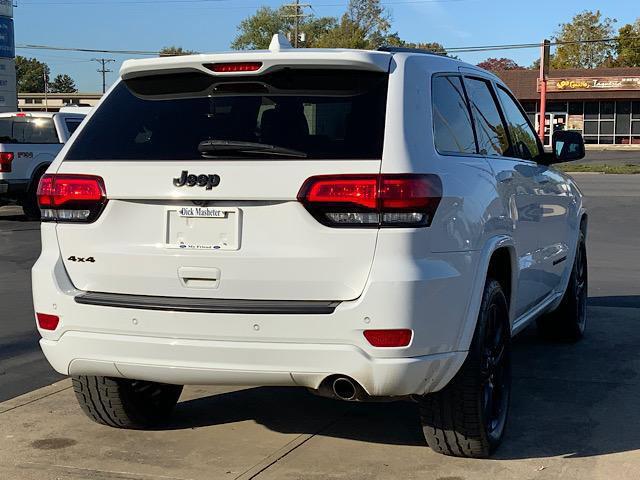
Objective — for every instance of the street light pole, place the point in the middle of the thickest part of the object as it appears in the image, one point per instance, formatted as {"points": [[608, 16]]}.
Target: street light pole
{"points": [[297, 24], [46, 88]]}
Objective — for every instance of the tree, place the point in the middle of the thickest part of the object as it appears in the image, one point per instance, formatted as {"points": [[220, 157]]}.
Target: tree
{"points": [[371, 19], [497, 64], [31, 74], [256, 31], [434, 47], [365, 24], [586, 25], [628, 45], [63, 84], [173, 51]]}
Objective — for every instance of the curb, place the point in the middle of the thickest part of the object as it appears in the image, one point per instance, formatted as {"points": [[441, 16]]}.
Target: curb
{"points": [[34, 396]]}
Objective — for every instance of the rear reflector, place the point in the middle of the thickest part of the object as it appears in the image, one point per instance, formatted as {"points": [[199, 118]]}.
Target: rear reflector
{"points": [[6, 158], [389, 338], [47, 322], [234, 67], [71, 198], [372, 200]]}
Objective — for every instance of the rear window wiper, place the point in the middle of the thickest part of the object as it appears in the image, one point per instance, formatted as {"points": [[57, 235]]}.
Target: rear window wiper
{"points": [[211, 147]]}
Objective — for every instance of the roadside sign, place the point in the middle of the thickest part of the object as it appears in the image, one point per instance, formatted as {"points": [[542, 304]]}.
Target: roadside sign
{"points": [[6, 8], [8, 95], [7, 45]]}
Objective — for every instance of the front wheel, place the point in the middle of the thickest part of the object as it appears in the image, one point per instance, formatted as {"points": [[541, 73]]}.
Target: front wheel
{"points": [[124, 403], [467, 418]]}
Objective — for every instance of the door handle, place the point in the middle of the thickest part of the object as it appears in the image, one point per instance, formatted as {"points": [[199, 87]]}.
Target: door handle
{"points": [[199, 277], [505, 176]]}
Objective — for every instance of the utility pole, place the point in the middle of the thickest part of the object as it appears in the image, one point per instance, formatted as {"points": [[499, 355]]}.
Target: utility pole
{"points": [[298, 9], [103, 70]]}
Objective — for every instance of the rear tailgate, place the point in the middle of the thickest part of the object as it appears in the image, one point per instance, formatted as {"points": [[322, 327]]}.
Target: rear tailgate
{"points": [[225, 224]]}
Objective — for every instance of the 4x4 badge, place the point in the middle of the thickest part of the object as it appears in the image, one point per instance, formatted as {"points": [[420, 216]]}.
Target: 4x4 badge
{"points": [[191, 180]]}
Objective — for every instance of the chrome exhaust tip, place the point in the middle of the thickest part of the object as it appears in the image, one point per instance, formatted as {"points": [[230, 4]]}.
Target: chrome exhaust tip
{"points": [[344, 388]]}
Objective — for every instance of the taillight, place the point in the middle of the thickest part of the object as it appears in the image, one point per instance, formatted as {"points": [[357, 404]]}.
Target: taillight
{"points": [[234, 67], [389, 338], [47, 322], [372, 200], [71, 198], [6, 158]]}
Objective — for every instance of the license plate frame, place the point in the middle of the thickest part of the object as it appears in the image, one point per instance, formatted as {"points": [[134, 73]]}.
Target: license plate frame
{"points": [[203, 228]]}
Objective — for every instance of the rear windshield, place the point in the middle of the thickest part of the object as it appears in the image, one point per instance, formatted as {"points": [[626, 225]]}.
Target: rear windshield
{"points": [[320, 114], [28, 130]]}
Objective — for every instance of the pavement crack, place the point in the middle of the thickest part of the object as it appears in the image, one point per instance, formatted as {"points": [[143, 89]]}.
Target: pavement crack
{"points": [[293, 445]]}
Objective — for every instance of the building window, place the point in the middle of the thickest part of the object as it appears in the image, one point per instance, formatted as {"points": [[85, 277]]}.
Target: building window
{"points": [[576, 108]]}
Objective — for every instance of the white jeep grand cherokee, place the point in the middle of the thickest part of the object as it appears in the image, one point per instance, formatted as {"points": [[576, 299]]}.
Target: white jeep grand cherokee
{"points": [[366, 224]]}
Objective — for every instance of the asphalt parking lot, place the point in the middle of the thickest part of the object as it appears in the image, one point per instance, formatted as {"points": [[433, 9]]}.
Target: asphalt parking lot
{"points": [[574, 412]]}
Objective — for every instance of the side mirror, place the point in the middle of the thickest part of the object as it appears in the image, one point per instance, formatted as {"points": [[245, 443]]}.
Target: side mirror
{"points": [[568, 145]]}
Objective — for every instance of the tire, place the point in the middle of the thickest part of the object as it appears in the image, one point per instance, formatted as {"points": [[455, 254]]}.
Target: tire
{"points": [[467, 418], [124, 403], [30, 201], [568, 322]]}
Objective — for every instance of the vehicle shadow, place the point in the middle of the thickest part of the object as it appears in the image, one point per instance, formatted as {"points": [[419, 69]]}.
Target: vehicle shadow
{"points": [[573, 400]]}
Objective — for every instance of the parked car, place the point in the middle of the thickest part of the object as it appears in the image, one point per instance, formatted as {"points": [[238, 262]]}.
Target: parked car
{"points": [[366, 224], [28, 144]]}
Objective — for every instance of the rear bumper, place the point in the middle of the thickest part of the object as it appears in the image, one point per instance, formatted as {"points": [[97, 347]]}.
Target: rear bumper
{"points": [[200, 362], [249, 348], [13, 188]]}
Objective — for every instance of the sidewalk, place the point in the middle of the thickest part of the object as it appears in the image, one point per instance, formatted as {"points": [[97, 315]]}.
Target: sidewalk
{"points": [[574, 417]]}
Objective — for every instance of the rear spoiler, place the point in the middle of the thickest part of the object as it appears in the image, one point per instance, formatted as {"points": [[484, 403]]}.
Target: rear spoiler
{"points": [[280, 55]]}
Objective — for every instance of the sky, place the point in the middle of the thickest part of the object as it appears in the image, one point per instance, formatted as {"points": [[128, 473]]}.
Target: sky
{"points": [[210, 26]]}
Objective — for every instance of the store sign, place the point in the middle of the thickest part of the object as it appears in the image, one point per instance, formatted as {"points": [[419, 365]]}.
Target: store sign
{"points": [[585, 84], [7, 45], [6, 8]]}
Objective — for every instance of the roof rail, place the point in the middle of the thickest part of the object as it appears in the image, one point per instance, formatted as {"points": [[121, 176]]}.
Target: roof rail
{"points": [[388, 48]]}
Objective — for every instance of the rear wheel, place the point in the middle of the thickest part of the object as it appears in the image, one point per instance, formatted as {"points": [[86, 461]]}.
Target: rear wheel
{"points": [[467, 418], [568, 322], [124, 403]]}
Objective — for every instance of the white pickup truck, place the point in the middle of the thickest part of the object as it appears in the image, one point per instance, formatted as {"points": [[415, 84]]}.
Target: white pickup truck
{"points": [[28, 144]]}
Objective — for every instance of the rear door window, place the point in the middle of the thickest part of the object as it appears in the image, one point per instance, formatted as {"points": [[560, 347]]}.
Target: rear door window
{"points": [[452, 128], [72, 125], [525, 143], [491, 131], [20, 130], [320, 114]]}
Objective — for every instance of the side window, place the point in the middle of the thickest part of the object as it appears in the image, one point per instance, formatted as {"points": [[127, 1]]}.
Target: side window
{"points": [[452, 129], [492, 134], [34, 130], [72, 125], [525, 143]]}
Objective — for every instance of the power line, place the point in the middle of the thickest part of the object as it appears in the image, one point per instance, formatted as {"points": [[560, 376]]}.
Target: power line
{"points": [[253, 7], [104, 70], [477, 48], [87, 50]]}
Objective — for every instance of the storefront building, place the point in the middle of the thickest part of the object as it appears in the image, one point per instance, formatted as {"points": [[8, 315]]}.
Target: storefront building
{"points": [[603, 104]]}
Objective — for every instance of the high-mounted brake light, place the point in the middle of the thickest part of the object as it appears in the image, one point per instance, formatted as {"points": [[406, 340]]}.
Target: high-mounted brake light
{"points": [[372, 200], [234, 67], [389, 338], [71, 198], [6, 158]]}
